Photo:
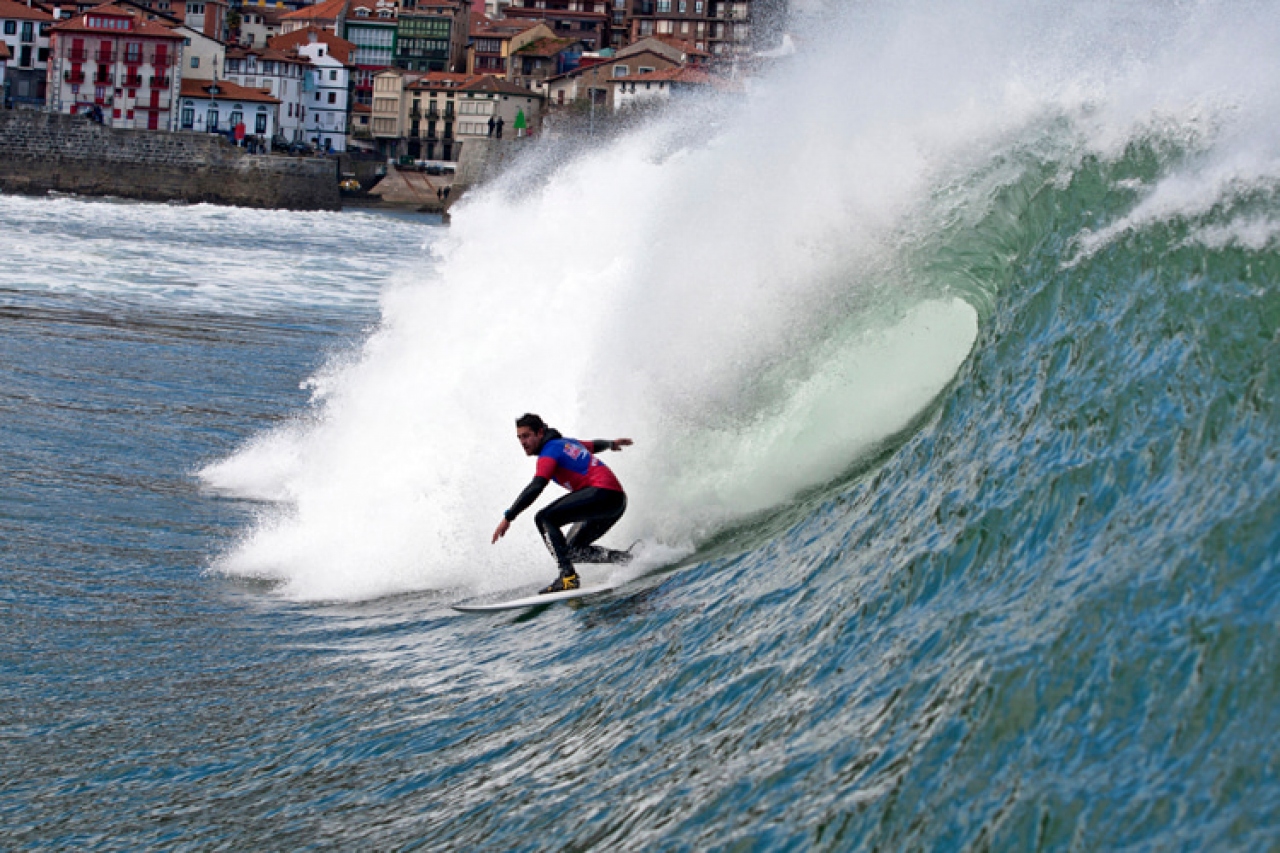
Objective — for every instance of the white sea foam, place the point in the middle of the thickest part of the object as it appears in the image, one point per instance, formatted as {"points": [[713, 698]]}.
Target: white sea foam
{"points": [[202, 257], [741, 306]]}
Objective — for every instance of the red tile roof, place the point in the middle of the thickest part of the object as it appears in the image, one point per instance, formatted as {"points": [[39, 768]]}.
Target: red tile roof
{"points": [[680, 74], [4, 51], [268, 54], [329, 10], [339, 48], [139, 27], [440, 80], [10, 9], [489, 83], [226, 90], [547, 47]]}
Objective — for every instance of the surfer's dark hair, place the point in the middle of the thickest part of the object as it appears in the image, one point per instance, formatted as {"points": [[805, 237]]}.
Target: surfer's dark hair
{"points": [[531, 421]]}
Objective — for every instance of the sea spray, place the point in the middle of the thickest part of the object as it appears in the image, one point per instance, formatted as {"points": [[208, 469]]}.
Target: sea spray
{"points": [[756, 305]]}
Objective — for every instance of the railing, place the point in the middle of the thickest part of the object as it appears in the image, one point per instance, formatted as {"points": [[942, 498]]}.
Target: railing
{"points": [[133, 59], [73, 76], [433, 113], [77, 54], [104, 79], [415, 112], [134, 82], [160, 82], [105, 56], [161, 60]]}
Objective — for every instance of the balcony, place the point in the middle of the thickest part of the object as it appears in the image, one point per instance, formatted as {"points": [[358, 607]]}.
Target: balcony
{"points": [[160, 82], [104, 79], [131, 81], [105, 57], [77, 55], [73, 76], [160, 60]]}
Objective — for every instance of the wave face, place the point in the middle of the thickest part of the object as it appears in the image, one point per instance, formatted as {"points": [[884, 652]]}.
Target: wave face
{"points": [[952, 355]]}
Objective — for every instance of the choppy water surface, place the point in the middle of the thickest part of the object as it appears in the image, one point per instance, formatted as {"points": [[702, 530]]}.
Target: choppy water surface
{"points": [[958, 484]]}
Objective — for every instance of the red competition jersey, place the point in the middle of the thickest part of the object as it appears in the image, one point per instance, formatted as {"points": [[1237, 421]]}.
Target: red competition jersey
{"points": [[569, 463]]}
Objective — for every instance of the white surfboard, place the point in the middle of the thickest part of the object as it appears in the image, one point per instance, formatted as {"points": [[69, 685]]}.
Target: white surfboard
{"points": [[536, 600]]}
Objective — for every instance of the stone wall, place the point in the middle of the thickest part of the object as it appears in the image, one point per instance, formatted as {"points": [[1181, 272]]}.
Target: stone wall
{"points": [[482, 160], [42, 151]]}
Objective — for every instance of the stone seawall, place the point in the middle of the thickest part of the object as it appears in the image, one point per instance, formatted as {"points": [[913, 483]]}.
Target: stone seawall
{"points": [[42, 151]]}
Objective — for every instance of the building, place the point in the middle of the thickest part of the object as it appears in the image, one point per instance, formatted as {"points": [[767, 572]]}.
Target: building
{"points": [[4, 84], [24, 30], [534, 63], [259, 23], [203, 57], [431, 116], [431, 35], [281, 75], [208, 17], [683, 19], [493, 42], [659, 87], [587, 21], [327, 15], [389, 116], [217, 107], [327, 102], [489, 106], [371, 26], [115, 66], [589, 82]]}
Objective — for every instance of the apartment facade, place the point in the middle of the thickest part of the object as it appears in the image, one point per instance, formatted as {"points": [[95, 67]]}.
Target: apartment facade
{"points": [[112, 65], [432, 36], [24, 31]]}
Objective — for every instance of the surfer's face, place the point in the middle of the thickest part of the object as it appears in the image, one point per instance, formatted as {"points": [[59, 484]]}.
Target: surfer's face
{"points": [[529, 440]]}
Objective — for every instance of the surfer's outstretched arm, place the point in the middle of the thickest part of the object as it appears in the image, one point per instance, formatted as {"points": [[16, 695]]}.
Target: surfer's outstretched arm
{"points": [[600, 445]]}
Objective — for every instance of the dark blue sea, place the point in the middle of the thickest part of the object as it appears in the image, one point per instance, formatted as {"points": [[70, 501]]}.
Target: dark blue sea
{"points": [[956, 477]]}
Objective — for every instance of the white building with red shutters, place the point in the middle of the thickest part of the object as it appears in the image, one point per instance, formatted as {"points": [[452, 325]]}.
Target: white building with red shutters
{"points": [[115, 66]]}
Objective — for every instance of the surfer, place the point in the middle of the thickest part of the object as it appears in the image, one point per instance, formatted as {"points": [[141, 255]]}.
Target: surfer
{"points": [[594, 504]]}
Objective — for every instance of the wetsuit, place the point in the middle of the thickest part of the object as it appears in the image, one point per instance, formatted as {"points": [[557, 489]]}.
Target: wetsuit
{"points": [[594, 504]]}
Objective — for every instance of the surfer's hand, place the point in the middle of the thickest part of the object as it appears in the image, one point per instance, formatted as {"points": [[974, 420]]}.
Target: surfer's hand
{"points": [[503, 527], [619, 443]]}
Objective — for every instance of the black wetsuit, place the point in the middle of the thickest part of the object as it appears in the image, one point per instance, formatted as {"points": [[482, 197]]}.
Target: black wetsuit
{"points": [[594, 505]]}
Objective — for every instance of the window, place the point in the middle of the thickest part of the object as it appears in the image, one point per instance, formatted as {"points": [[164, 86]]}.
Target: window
{"points": [[664, 6], [333, 75], [684, 6], [621, 71], [195, 62], [333, 97], [697, 7], [644, 69], [211, 120], [11, 28], [188, 118], [260, 125]]}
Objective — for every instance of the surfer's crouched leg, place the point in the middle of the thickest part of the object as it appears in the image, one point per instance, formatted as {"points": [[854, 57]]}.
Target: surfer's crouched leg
{"points": [[592, 511], [596, 554]]}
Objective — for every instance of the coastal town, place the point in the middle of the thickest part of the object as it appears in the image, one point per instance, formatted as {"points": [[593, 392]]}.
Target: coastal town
{"points": [[409, 83]]}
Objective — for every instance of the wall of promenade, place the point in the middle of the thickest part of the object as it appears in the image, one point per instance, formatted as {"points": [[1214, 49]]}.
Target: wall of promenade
{"points": [[42, 151]]}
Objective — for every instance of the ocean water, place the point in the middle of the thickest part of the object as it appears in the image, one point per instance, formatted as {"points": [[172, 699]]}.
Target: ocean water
{"points": [[951, 352]]}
